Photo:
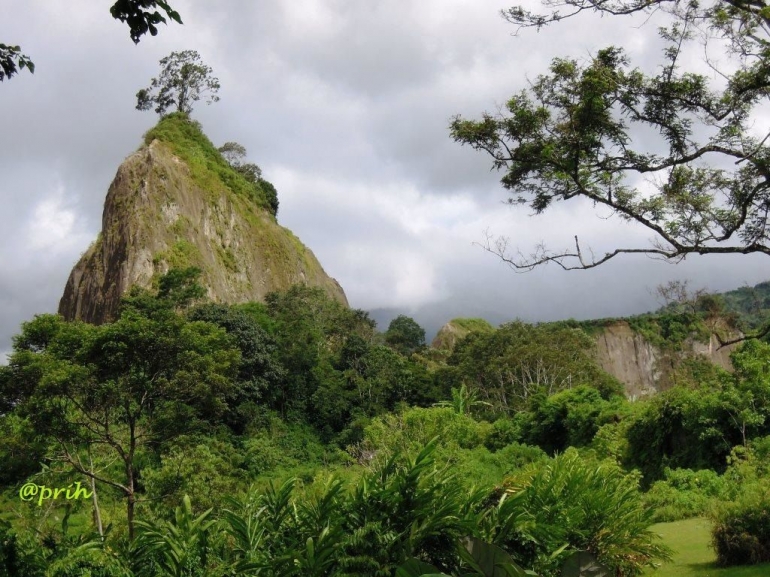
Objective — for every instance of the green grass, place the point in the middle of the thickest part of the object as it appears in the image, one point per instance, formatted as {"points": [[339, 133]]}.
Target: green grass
{"points": [[693, 557], [473, 324], [207, 166]]}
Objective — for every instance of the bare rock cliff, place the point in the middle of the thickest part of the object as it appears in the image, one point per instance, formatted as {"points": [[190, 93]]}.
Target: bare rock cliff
{"points": [[161, 212], [642, 367]]}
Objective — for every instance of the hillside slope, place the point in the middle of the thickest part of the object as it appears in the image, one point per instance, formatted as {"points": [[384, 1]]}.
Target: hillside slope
{"points": [[176, 203]]}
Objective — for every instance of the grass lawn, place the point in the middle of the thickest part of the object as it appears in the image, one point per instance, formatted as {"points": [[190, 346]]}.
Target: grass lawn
{"points": [[693, 557]]}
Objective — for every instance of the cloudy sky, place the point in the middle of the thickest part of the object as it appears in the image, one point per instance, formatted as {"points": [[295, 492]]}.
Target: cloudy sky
{"points": [[345, 105]]}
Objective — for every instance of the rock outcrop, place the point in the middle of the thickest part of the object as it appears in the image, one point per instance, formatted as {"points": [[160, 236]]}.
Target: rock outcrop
{"points": [[176, 203], [642, 367]]}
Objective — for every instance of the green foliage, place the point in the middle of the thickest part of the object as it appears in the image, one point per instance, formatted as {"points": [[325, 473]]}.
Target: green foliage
{"points": [[12, 61], [176, 549], [405, 335], [483, 559], [207, 167], [741, 533], [271, 194], [182, 81], [478, 467], [569, 418], [415, 427], [572, 134], [311, 330], [586, 505], [463, 400], [669, 331], [19, 557], [751, 304], [128, 386], [34, 554], [259, 372], [140, 20], [205, 469], [683, 493], [678, 428], [504, 431], [697, 428], [20, 453], [235, 154], [519, 362], [473, 324], [404, 508], [88, 560], [280, 447]]}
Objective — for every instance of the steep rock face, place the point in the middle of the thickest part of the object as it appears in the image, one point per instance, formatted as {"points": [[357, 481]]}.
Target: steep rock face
{"points": [[158, 215], [644, 368]]}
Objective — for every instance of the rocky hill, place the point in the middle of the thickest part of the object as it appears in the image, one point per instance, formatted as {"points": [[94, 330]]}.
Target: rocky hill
{"points": [[176, 202], [641, 352], [645, 366]]}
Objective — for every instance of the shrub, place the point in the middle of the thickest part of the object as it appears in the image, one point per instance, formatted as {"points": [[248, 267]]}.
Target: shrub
{"points": [[280, 446], [504, 432], [741, 532], [206, 470], [589, 506], [412, 429], [684, 493]]}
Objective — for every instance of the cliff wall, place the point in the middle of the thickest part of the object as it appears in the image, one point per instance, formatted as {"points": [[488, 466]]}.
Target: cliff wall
{"points": [[176, 203]]}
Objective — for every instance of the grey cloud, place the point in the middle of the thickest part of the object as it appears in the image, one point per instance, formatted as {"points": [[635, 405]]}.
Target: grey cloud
{"points": [[334, 99]]}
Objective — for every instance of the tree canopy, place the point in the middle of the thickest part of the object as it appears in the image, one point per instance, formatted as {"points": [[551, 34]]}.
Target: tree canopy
{"points": [[235, 154], [703, 188], [183, 80], [140, 15], [405, 335], [12, 61]]}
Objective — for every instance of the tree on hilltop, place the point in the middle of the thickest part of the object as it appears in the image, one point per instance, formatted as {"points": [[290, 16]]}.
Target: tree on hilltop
{"points": [[183, 80], [235, 155]]}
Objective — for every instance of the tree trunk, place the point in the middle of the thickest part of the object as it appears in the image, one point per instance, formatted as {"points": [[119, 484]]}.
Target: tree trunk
{"points": [[97, 513], [130, 515]]}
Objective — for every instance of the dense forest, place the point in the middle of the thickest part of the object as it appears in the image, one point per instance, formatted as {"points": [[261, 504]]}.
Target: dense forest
{"points": [[293, 438]]}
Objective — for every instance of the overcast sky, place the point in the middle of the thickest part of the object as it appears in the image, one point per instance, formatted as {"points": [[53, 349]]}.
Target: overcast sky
{"points": [[345, 105]]}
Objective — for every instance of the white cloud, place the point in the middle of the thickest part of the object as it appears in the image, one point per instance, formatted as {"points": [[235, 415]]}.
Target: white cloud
{"points": [[54, 229]]}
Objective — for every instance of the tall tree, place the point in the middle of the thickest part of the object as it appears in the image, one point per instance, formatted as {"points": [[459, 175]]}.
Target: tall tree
{"points": [[128, 387], [183, 80], [405, 335], [572, 135]]}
